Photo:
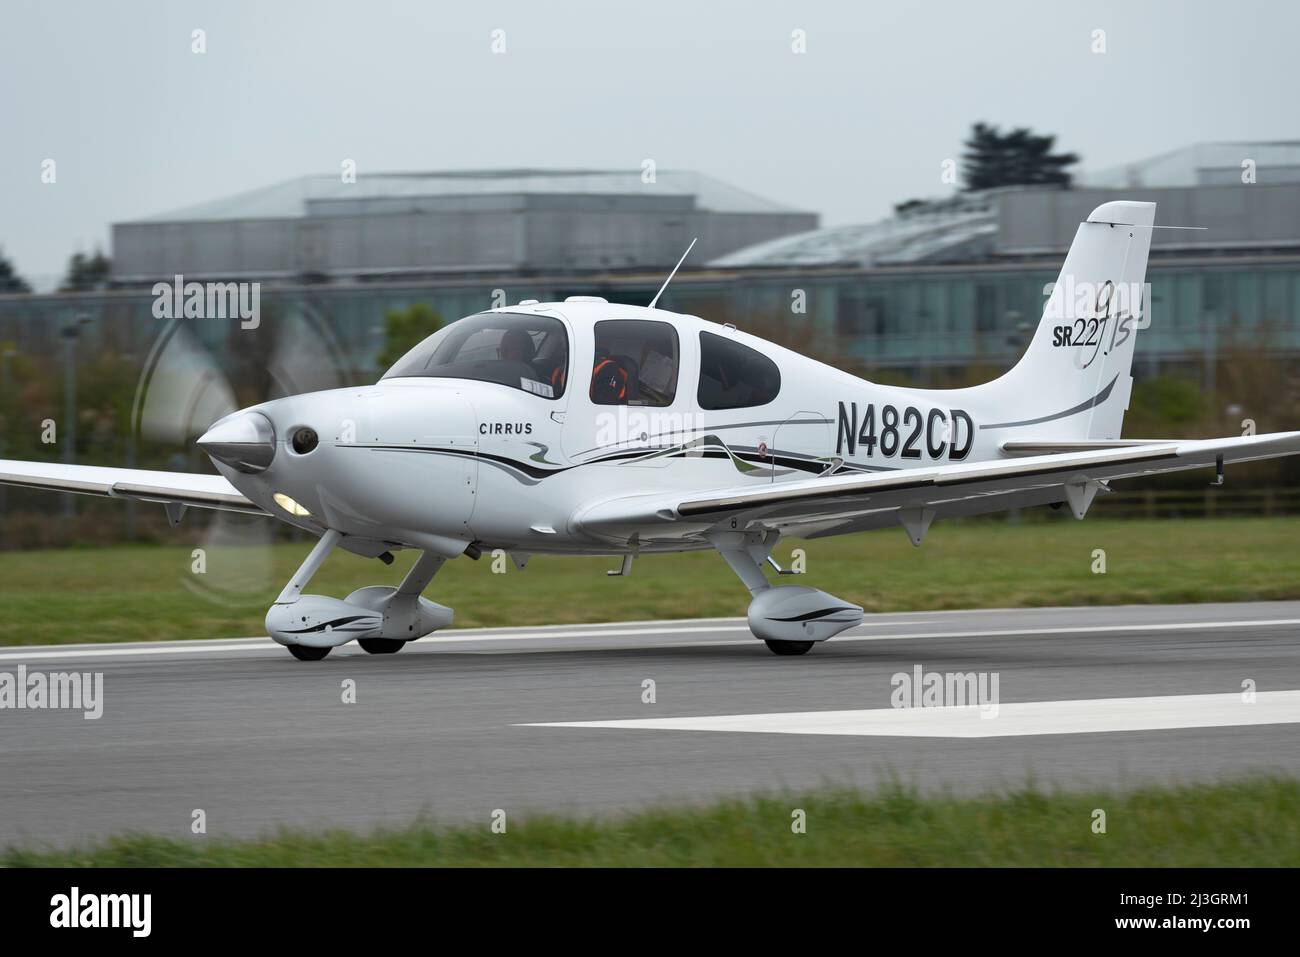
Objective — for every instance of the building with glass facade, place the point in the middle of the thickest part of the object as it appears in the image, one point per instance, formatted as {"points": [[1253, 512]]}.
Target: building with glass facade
{"points": [[948, 285]]}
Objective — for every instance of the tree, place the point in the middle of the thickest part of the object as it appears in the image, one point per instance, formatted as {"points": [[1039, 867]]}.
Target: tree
{"points": [[86, 272], [404, 329], [10, 281], [1017, 158]]}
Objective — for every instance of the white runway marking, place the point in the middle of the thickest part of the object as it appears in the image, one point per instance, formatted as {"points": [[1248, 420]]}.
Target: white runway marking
{"points": [[255, 645], [525, 635], [1087, 630], [468, 636], [1089, 716]]}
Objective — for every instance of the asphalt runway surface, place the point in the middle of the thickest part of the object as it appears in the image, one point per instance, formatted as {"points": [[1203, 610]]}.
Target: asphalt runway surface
{"points": [[456, 725]]}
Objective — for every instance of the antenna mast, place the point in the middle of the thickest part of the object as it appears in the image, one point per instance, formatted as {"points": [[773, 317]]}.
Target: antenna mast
{"points": [[674, 272]]}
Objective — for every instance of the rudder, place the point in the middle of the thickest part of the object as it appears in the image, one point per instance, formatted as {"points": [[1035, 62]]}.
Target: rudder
{"points": [[1074, 380]]}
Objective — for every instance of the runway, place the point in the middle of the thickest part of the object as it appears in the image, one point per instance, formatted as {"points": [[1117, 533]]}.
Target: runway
{"points": [[553, 718]]}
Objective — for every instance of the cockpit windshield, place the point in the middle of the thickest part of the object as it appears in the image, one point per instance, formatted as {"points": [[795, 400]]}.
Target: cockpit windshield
{"points": [[516, 349]]}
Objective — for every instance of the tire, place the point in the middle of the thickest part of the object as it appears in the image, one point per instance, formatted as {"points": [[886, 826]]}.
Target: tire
{"points": [[381, 646], [308, 653], [789, 647]]}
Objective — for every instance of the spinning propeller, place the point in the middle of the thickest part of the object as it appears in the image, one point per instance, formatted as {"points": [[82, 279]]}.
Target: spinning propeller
{"points": [[200, 370]]}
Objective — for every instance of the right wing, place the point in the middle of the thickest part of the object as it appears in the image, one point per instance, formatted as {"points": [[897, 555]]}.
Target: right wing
{"points": [[183, 488], [836, 504]]}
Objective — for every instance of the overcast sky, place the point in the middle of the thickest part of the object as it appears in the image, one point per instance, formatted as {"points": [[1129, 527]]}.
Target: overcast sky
{"points": [[138, 124]]}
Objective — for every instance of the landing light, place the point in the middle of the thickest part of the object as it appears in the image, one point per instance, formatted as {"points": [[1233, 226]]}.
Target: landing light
{"points": [[290, 506]]}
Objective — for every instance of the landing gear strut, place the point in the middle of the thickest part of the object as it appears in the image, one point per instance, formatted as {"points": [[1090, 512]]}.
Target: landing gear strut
{"points": [[382, 619], [789, 619]]}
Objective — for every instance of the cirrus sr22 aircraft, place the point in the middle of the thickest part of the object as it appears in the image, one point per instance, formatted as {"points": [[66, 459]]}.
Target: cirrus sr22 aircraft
{"points": [[588, 428]]}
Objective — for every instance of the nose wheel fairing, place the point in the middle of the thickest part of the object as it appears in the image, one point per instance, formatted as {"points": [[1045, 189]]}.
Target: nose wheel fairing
{"points": [[376, 614], [789, 618], [318, 621]]}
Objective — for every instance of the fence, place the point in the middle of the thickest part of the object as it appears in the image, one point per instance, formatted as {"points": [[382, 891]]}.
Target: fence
{"points": [[1210, 502]]}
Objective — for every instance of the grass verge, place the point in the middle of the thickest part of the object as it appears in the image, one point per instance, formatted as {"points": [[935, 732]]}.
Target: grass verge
{"points": [[1248, 823], [141, 593]]}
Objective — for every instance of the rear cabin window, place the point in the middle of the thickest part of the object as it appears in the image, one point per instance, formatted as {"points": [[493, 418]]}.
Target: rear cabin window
{"points": [[635, 363], [733, 376]]}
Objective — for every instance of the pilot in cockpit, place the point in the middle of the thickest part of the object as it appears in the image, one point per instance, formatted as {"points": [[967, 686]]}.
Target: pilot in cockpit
{"points": [[516, 345]]}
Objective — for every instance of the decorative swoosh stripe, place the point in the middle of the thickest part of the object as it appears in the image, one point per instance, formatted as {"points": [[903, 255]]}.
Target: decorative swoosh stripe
{"points": [[747, 460], [810, 616], [1097, 399], [337, 624]]}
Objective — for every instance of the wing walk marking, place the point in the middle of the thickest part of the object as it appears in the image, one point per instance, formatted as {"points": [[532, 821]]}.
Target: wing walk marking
{"points": [[1087, 716]]}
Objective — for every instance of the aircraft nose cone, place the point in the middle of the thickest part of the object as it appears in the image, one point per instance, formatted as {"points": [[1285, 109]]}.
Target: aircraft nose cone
{"points": [[244, 441]]}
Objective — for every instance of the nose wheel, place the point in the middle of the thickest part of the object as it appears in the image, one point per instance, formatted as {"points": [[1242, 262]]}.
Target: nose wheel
{"points": [[789, 647], [307, 653], [381, 646]]}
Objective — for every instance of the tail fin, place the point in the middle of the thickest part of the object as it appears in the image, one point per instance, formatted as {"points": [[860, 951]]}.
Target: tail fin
{"points": [[1073, 382]]}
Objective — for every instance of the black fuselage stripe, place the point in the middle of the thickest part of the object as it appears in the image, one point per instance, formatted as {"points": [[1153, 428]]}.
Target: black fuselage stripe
{"points": [[807, 465]]}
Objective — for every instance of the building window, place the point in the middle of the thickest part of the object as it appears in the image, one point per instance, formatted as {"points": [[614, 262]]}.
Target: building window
{"points": [[858, 315], [986, 308]]}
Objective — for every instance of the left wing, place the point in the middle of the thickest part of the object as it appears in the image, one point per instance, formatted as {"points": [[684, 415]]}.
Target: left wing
{"points": [[182, 488], [837, 504]]}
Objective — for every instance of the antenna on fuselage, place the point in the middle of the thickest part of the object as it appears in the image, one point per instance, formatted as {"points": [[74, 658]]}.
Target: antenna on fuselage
{"points": [[674, 272]]}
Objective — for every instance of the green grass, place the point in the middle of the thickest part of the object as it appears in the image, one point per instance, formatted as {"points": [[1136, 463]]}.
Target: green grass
{"points": [[138, 593], [1249, 823]]}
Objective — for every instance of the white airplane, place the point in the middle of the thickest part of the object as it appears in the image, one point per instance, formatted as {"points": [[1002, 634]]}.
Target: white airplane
{"points": [[589, 428]]}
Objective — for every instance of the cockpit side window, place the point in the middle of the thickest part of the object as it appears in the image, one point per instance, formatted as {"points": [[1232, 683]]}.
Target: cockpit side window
{"points": [[522, 351], [635, 363], [733, 376]]}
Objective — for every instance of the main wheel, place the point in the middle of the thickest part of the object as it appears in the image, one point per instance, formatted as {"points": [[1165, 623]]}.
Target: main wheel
{"points": [[308, 653], [381, 646], [789, 647]]}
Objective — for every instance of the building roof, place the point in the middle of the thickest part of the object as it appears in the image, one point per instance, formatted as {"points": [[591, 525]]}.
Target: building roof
{"points": [[1204, 164], [310, 195], [933, 232], [966, 226]]}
